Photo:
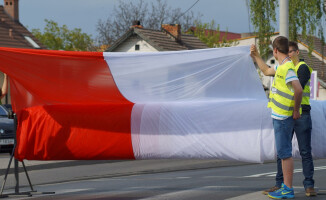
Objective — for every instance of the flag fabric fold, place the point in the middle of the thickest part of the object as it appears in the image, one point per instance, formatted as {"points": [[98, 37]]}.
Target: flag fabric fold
{"points": [[67, 106], [188, 104]]}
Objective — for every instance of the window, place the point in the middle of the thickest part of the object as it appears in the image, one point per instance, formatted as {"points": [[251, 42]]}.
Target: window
{"points": [[3, 112], [137, 47], [32, 42]]}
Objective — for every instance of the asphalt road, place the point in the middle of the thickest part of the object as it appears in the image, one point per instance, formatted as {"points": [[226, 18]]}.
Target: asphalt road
{"points": [[182, 179]]}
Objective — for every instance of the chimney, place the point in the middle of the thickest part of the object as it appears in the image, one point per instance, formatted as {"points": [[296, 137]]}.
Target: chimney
{"points": [[10, 33], [173, 29], [11, 8], [136, 24]]}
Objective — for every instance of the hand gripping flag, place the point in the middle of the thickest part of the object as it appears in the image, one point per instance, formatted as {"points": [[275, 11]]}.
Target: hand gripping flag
{"points": [[187, 104]]}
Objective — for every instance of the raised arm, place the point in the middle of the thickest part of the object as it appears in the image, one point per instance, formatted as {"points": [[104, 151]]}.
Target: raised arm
{"points": [[4, 88], [267, 71]]}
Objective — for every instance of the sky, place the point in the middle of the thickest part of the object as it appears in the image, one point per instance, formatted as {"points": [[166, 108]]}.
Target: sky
{"points": [[231, 15]]}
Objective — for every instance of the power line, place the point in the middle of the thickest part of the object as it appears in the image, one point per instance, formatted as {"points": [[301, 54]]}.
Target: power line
{"points": [[188, 9]]}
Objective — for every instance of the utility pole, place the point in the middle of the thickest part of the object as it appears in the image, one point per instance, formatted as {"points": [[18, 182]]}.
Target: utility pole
{"points": [[284, 18]]}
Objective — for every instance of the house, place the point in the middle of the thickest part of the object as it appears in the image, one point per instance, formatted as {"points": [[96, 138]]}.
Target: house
{"points": [[169, 38], [222, 34], [316, 60], [13, 33]]}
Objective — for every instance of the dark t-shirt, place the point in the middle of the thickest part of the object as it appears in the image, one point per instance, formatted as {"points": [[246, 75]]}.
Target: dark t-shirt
{"points": [[304, 76]]}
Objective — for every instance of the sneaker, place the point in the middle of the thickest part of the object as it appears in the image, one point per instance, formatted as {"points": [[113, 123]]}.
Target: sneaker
{"points": [[283, 193], [311, 192], [272, 189]]}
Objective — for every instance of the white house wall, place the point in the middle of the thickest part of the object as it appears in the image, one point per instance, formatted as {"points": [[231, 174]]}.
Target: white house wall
{"points": [[129, 45], [245, 42]]}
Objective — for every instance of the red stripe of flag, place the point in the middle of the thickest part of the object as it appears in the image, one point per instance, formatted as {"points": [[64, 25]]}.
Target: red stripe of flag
{"points": [[68, 106]]}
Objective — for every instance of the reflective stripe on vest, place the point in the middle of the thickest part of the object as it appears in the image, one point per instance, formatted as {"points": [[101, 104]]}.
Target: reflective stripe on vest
{"points": [[283, 94], [281, 105], [306, 89], [281, 97]]}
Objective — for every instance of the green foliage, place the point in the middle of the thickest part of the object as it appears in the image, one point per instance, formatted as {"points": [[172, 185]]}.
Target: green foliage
{"points": [[61, 38], [263, 18], [210, 35], [305, 18]]}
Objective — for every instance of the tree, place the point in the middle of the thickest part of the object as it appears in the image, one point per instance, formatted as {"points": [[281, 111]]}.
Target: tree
{"points": [[305, 18], [151, 16], [263, 19], [61, 38], [209, 34]]}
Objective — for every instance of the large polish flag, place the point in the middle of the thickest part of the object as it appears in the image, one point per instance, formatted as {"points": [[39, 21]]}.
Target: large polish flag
{"points": [[188, 104]]}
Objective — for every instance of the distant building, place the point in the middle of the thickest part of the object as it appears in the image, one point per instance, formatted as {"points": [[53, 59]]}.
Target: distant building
{"points": [[317, 60], [169, 38], [13, 33], [223, 34]]}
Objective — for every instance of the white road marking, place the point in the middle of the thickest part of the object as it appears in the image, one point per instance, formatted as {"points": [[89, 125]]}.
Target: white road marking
{"points": [[189, 193], [65, 191], [320, 168], [251, 196], [274, 173], [219, 177], [182, 177], [145, 187], [259, 175], [158, 178], [259, 196]]}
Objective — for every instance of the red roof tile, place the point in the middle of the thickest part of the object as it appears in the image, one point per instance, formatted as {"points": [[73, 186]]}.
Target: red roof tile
{"points": [[161, 40], [229, 35], [13, 33]]}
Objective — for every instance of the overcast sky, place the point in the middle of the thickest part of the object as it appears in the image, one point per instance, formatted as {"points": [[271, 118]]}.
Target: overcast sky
{"points": [[84, 14]]}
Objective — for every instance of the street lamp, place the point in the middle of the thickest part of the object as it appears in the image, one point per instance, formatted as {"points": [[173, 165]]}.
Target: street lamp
{"points": [[284, 18]]}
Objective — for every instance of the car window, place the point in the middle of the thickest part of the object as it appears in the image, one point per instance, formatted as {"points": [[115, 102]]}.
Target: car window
{"points": [[3, 112]]}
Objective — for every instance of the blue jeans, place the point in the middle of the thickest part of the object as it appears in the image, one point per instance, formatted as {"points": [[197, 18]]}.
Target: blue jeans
{"points": [[283, 131], [302, 129]]}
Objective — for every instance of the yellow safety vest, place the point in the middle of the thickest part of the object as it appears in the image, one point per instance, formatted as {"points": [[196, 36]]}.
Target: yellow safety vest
{"points": [[306, 89], [281, 98]]}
